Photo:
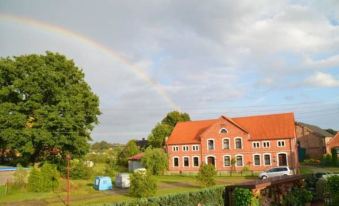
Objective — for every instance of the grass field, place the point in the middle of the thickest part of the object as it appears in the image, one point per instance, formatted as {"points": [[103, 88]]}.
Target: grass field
{"points": [[82, 192]]}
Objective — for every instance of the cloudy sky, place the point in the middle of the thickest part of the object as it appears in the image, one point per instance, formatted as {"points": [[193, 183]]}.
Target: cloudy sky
{"points": [[207, 58]]}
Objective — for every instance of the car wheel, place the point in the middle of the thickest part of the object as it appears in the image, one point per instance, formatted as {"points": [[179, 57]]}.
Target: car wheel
{"points": [[264, 177]]}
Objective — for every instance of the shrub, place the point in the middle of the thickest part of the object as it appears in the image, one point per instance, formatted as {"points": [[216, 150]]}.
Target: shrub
{"points": [[206, 175], [44, 180], [297, 197], [242, 197], [155, 160], [142, 185], [333, 188], [50, 177], [311, 162], [35, 180], [326, 160], [79, 170], [212, 196], [321, 189], [20, 177]]}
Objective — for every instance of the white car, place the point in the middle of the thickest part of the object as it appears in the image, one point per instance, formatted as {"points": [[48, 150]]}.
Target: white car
{"points": [[274, 172]]}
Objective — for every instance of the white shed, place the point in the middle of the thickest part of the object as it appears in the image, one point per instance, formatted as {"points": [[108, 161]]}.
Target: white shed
{"points": [[122, 180]]}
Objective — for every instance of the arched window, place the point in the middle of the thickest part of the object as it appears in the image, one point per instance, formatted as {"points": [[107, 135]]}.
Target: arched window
{"points": [[223, 130]]}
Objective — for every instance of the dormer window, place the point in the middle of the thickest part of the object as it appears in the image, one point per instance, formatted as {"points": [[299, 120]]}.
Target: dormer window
{"points": [[223, 131]]}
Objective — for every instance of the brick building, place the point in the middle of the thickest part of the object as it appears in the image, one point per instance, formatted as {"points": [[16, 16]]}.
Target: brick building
{"points": [[258, 142], [313, 139]]}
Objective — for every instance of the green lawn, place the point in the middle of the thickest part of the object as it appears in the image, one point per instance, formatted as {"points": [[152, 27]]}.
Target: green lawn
{"points": [[83, 194]]}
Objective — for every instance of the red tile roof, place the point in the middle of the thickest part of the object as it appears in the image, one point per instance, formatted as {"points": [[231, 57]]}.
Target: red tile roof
{"points": [[334, 142], [137, 156], [273, 126], [189, 132]]}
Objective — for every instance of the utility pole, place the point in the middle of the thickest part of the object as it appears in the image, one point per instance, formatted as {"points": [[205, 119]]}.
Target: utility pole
{"points": [[68, 158]]}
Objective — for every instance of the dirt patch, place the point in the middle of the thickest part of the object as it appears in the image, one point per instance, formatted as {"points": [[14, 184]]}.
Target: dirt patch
{"points": [[6, 176]]}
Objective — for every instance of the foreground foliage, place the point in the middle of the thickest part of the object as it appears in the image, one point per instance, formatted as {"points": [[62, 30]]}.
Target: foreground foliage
{"points": [[142, 185], [210, 196]]}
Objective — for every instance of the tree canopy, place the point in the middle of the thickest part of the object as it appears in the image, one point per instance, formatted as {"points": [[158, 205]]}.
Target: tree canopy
{"points": [[172, 118], [162, 130], [129, 150], [46, 107]]}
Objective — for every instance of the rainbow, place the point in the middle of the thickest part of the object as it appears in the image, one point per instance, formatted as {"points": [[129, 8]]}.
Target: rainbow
{"points": [[90, 42]]}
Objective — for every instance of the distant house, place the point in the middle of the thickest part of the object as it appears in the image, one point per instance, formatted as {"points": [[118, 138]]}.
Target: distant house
{"points": [[134, 162], [313, 139], [333, 144], [142, 144], [257, 142]]}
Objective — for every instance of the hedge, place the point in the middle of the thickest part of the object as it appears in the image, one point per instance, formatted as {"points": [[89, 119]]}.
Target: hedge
{"points": [[212, 196]]}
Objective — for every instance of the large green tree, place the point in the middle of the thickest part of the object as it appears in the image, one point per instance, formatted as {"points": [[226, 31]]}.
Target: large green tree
{"points": [[46, 107], [162, 130]]}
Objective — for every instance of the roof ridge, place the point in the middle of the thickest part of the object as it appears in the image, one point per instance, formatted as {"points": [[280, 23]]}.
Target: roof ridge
{"points": [[265, 115]]}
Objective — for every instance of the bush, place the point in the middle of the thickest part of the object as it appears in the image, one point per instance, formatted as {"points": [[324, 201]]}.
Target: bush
{"points": [[297, 197], [326, 160], [311, 162], [20, 177], [79, 170], [212, 196], [44, 180], [333, 188], [242, 197], [142, 185], [321, 189], [155, 160], [206, 175]]}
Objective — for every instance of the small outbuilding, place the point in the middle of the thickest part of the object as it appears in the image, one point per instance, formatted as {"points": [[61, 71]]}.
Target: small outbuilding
{"points": [[103, 183], [122, 180], [134, 162]]}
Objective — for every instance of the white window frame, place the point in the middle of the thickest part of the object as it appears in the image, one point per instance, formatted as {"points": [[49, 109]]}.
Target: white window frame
{"points": [[229, 143], [178, 161], [223, 160], [175, 148], [235, 143], [263, 144], [255, 143], [286, 158], [183, 161], [256, 154], [193, 161], [185, 146], [223, 129], [263, 158], [195, 146], [208, 149], [281, 141], [235, 156]]}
